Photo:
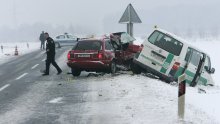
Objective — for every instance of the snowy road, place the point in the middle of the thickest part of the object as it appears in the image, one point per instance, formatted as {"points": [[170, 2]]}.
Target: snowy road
{"points": [[26, 97]]}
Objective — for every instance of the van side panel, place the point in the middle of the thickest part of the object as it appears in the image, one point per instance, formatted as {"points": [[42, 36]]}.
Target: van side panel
{"points": [[161, 58], [167, 62]]}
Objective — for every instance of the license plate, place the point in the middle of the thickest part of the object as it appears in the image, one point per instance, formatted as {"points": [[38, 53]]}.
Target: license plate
{"points": [[157, 57], [83, 55]]}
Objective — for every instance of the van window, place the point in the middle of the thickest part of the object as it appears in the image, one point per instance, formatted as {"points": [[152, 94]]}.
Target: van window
{"points": [[188, 54], [166, 42], [196, 56]]}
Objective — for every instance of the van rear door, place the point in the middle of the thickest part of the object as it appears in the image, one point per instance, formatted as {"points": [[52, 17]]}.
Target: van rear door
{"points": [[159, 51], [195, 65], [206, 78]]}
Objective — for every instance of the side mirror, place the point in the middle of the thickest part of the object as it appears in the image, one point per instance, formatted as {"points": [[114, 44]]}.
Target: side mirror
{"points": [[207, 68], [212, 71]]}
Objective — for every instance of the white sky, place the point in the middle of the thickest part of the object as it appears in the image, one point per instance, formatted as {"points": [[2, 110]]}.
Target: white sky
{"points": [[66, 12]]}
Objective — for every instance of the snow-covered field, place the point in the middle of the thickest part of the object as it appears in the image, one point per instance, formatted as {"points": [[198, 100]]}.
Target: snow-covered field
{"points": [[137, 99], [8, 50]]}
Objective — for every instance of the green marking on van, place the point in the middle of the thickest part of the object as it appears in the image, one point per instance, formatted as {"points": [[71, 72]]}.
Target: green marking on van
{"points": [[179, 72], [167, 62], [189, 74], [151, 60], [203, 81]]}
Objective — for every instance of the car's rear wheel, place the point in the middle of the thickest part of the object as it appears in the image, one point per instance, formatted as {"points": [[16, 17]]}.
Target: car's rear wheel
{"points": [[113, 67], [75, 72], [135, 68]]}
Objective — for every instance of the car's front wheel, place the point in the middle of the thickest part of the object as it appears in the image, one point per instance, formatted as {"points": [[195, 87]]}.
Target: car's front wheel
{"points": [[135, 68], [75, 72]]}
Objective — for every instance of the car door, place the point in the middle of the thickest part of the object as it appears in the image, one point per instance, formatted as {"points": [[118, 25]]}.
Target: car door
{"points": [[193, 57], [206, 77], [109, 51]]}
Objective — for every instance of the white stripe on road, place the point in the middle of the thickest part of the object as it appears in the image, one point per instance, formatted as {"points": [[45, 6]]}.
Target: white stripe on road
{"points": [[4, 87], [34, 66], [21, 76], [43, 60]]}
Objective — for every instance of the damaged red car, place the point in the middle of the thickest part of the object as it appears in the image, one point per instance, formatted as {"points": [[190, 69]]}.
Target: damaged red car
{"points": [[102, 55]]}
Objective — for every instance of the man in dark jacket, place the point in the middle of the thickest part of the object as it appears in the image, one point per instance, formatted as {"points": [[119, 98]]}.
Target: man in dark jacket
{"points": [[42, 39], [50, 50]]}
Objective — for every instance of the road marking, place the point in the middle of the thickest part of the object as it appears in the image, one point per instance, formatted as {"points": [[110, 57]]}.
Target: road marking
{"points": [[56, 100], [21, 76], [34, 66], [4, 87], [43, 60]]}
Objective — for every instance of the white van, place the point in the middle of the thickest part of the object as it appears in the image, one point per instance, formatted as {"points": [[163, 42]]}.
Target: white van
{"points": [[168, 56]]}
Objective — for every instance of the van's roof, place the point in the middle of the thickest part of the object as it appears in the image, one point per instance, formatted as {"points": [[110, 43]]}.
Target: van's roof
{"points": [[180, 39]]}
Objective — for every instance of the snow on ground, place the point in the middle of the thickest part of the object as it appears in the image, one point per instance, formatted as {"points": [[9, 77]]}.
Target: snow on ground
{"points": [[8, 50], [137, 99]]}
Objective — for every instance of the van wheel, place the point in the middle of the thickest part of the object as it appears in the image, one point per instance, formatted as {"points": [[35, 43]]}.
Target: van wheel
{"points": [[113, 67], [165, 80], [75, 72], [135, 68]]}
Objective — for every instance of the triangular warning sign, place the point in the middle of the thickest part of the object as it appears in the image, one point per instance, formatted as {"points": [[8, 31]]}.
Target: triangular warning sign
{"points": [[130, 16]]}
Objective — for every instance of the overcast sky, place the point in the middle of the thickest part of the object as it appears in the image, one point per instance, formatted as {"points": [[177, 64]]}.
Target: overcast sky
{"points": [[98, 13], [88, 12]]}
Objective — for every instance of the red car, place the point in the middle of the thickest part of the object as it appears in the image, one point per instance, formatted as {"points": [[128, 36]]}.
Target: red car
{"points": [[125, 50], [92, 55]]}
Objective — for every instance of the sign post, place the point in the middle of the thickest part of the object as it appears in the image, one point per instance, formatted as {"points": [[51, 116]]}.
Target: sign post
{"points": [[129, 17], [181, 96]]}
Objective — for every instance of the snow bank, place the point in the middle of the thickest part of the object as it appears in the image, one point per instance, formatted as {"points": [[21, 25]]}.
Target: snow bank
{"points": [[138, 99], [8, 50]]}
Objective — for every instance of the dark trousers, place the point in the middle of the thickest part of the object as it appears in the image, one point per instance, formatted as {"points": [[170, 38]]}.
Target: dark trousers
{"points": [[51, 60], [42, 45]]}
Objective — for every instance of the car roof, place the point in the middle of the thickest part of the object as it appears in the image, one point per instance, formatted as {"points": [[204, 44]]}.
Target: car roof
{"points": [[94, 39], [90, 39]]}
